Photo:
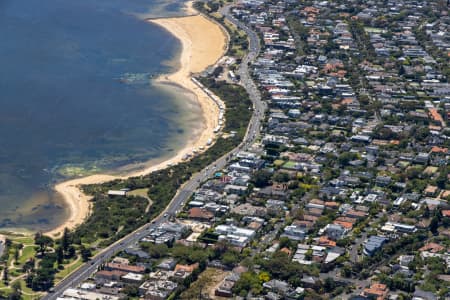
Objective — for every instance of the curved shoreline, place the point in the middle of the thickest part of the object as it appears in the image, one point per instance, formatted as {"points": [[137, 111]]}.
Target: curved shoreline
{"points": [[203, 44]]}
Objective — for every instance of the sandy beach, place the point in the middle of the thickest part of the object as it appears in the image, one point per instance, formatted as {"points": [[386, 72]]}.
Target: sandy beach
{"points": [[189, 8], [203, 44]]}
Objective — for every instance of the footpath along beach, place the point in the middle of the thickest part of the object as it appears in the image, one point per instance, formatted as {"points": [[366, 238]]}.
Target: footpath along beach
{"points": [[203, 43]]}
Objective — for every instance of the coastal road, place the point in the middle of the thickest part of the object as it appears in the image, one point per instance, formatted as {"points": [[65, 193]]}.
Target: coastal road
{"points": [[184, 193]]}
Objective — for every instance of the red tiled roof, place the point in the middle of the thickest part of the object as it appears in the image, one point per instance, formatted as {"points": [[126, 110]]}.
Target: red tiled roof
{"points": [[331, 204], [355, 213], [437, 149], [186, 268], [316, 201], [378, 290], [286, 250], [446, 213], [346, 225], [306, 224], [325, 241], [310, 218], [432, 247], [199, 213], [435, 115], [346, 219], [110, 274], [125, 268]]}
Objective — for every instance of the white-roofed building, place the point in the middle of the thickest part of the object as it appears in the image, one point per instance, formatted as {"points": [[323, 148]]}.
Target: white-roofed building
{"points": [[86, 295]]}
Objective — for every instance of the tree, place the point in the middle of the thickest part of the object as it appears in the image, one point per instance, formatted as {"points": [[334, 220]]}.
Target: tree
{"points": [[329, 285], [5, 275], [309, 254], [217, 71], [43, 242], [346, 157], [248, 282], [221, 247], [155, 250], [346, 271], [441, 180], [71, 251], [386, 134], [261, 178], [16, 254], [16, 291], [65, 240], [285, 242], [42, 278], [190, 254], [413, 172], [85, 253], [421, 133], [59, 255], [131, 291], [264, 276], [281, 267], [230, 258], [426, 212], [281, 177], [434, 224], [29, 280], [28, 267]]}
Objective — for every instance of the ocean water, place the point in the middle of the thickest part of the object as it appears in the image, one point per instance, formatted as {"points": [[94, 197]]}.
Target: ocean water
{"points": [[76, 97]]}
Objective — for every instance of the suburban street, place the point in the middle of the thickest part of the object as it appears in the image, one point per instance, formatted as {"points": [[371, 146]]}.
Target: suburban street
{"points": [[189, 187]]}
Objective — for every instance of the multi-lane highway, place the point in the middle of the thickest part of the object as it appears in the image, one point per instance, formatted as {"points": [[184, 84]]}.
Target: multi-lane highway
{"points": [[187, 189]]}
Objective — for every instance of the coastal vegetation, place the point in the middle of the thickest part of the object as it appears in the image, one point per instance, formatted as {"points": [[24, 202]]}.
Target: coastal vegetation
{"points": [[110, 216], [238, 39], [209, 7], [113, 218], [238, 43]]}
